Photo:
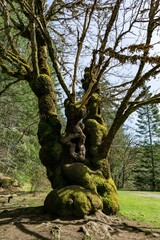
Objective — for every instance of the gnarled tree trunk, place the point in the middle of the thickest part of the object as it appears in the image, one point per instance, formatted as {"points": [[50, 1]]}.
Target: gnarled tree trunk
{"points": [[75, 163]]}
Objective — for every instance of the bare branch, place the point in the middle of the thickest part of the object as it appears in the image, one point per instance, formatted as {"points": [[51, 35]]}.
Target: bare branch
{"points": [[80, 44], [108, 29], [122, 58], [52, 53], [33, 42]]}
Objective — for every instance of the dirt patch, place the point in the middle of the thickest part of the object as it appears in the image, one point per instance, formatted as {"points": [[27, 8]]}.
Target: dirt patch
{"points": [[25, 223], [34, 223]]}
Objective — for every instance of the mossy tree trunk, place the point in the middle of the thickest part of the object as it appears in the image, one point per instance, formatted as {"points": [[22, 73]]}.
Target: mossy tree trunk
{"points": [[79, 175], [75, 161]]}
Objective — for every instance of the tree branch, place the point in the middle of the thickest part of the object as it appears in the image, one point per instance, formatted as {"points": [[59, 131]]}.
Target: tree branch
{"points": [[51, 49], [108, 29], [80, 44], [33, 42], [7, 29]]}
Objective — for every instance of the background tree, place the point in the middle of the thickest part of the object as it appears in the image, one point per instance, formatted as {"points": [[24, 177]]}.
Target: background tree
{"points": [[122, 160], [19, 145], [121, 157], [148, 158], [83, 41]]}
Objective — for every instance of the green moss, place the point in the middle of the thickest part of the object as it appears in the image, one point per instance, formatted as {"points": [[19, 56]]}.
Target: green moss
{"points": [[80, 174], [95, 133], [96, 128], [42, 85], [90, 193], [50, 98], [72, 201], [47, 105], [103, 166], [43, 80], [42, 59], [22, 71], [108, 192], [110, 205]]}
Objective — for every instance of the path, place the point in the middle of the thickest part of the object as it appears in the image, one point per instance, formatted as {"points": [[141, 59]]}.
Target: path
{"points": [[148, 194]]}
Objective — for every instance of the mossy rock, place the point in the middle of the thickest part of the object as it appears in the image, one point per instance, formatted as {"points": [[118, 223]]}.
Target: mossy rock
{"points": [[72, 201]]}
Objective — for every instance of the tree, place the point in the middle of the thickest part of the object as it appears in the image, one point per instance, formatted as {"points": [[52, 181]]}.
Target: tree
{"points": [[147, 169], [121, 156], [122, 160], [19, 144], [83, 41]]}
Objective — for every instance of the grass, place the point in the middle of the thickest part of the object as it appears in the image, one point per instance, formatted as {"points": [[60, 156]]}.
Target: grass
{"points": [[139, 207]]}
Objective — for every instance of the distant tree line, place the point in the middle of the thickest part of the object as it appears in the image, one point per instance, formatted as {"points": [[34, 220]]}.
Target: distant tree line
{"points": [[135, 158]]}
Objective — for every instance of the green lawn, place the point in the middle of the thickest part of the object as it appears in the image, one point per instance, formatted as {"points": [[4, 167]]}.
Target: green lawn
{"points": [[136, 206]]}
